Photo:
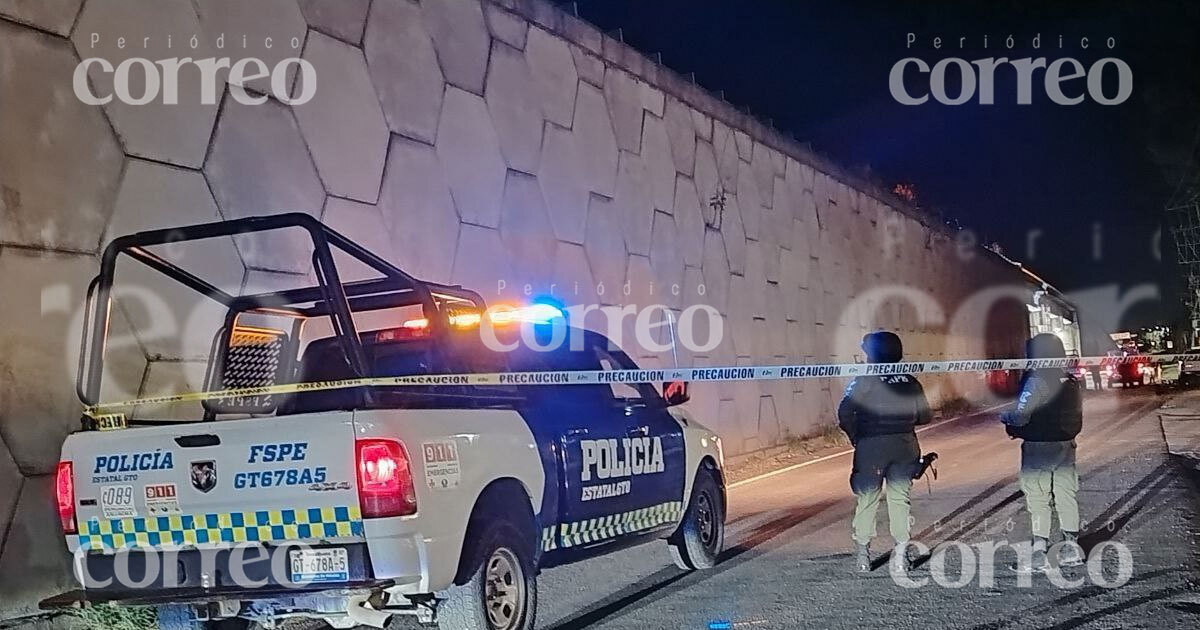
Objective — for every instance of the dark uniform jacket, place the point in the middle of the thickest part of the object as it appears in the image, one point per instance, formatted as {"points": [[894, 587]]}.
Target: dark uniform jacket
{"points": [[882, 405], [1049, 409]]}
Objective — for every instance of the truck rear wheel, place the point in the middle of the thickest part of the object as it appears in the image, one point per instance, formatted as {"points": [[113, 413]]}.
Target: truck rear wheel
{"points": [[501, 593], [701, 536]]}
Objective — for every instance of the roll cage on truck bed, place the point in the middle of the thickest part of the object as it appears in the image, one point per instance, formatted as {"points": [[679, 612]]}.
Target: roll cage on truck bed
{"points": [[330, 297]]}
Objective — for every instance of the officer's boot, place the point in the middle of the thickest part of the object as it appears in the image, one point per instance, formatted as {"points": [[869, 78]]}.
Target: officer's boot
{"points": [[1072, 553], [902, 561], [1038, 561], [862, 557]]}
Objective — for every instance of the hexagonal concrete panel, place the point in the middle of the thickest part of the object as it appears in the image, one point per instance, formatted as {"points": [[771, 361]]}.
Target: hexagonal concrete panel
{"points": [[363, 224], [715, 271], [605, 247], [516, 113], [703, 124], [793, 276], [178, 132], [343, 19], [44, 296], [656, 152], [164, 378], [155, 196], [749, 200], [526, 230], [734, 234], [461, 39], [573, 276], [623, 93], [653, 99], [481, 261], [635, 201], [727, 156], [343, 124], [781, 218], [763, 167], [666, 257], [260, 165], [745, 144], [125, 360], [50, 137], [469, 150], [639, 277], [595, 144], [682, 133], [10, 486], [404, 67], [564, 183], [771, 259], [274, 30], [708, 182], [417, 208], [554, 75], [690, 221], [35, 564], [55, 16], [756, 280], [740, 317], [768, 421], [259, 281], [504, 26], [590, 67]]}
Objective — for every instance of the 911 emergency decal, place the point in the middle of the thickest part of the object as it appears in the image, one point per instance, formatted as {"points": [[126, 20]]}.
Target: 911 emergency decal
{"points": [[442, 468], [162, 499]]}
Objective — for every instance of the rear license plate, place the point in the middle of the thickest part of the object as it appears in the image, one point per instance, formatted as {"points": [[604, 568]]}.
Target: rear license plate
{"points": [[319, 565]]}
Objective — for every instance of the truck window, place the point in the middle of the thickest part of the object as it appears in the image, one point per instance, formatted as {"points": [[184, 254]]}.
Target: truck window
{"points": [[625, 393], [525, 359], [620, 391]]}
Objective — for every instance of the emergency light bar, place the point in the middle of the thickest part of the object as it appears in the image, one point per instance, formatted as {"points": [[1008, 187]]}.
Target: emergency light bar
{"points": [[498, 315]]}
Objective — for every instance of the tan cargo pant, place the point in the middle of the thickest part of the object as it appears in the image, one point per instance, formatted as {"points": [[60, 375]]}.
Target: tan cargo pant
{"points": [[892, 459], [1048, 475]]}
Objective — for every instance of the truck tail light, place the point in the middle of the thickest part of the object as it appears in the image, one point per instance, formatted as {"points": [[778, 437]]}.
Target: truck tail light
{"points": [[64, 490], [385, 482]]}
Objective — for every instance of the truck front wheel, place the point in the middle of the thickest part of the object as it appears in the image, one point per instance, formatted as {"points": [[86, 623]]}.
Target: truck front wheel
{"points": [[701, 536], [501, 593]]}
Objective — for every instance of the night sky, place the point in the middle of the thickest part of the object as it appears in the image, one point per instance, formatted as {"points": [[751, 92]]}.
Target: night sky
{"points": [[820, 70]]}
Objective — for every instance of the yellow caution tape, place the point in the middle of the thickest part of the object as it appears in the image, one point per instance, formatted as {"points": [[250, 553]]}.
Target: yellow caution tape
{"points": [[693, 374]]}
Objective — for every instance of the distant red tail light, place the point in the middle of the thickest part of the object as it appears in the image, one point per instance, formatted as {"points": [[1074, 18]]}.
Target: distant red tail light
{"points": [[385, 482], [64, 490]]}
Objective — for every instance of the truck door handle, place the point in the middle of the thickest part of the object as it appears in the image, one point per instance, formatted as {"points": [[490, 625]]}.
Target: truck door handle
{"points": [[577, 431], [197, 441], [642, 431]]}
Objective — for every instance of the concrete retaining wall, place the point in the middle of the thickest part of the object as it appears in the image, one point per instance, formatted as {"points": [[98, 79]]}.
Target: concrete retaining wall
{"points": [[470, 142]]}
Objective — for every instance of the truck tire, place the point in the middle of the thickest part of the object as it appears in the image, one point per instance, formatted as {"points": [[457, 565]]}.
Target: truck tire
{"points": [[501, 593], [701, 536]]}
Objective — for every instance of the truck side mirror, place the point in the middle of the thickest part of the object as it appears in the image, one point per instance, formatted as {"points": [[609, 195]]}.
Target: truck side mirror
{"points": [[675, 393]]}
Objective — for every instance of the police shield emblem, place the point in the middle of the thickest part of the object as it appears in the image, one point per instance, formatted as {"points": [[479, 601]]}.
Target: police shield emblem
{"points": [[204, 475]]}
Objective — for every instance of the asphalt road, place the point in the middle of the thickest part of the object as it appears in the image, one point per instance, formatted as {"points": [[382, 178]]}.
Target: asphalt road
{"points": [[788, 564]]}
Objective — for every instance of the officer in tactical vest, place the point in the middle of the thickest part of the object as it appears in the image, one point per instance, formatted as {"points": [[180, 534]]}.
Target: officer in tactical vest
{"points": [[878, 414], [1047, 417]]}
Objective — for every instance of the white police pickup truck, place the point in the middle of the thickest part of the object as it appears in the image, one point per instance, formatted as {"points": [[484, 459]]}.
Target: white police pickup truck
{"points": [[348, 502]]}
